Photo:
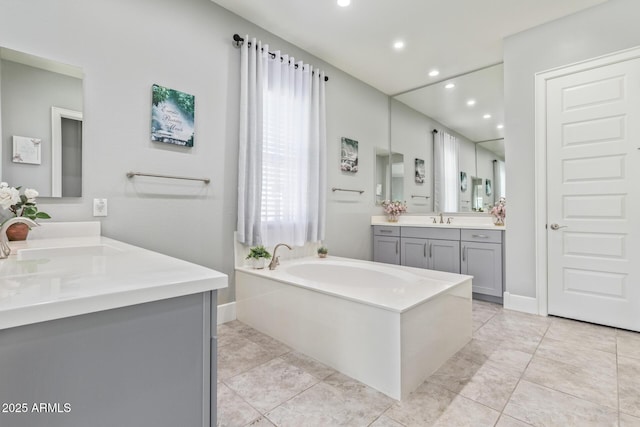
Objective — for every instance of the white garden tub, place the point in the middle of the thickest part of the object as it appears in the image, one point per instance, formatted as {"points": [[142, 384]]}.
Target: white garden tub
{"points": [[387, 326]]}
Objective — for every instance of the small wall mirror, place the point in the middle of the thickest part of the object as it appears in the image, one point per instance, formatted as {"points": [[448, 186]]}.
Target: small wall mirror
{"points": [[477, 194], [41, 124], [397, 176], [382, 172]]}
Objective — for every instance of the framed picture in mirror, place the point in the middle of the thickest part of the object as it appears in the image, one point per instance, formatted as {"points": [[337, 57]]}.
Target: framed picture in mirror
{"points": [[463, 181], [420, 171]]}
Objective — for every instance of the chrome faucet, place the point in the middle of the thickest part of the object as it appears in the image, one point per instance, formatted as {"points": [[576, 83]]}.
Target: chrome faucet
{"points": [[275, 261], [5, 250], [449, 220], [441, 220]]}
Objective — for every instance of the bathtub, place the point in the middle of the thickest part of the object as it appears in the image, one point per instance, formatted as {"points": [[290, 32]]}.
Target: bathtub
{"points": [[387, 326]]}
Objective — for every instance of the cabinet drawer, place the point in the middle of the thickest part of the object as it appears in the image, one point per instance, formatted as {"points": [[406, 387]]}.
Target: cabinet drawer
{"points": [[431, 233], [386, 230], [479, 235]]}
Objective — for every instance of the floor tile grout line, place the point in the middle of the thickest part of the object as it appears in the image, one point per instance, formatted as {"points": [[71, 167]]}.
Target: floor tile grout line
{"points": [[521, 378]]}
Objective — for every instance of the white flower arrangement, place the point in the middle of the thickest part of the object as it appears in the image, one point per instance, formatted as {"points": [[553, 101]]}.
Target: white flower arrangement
{"points": [[20, 204], [394, 208], [499, 211]]}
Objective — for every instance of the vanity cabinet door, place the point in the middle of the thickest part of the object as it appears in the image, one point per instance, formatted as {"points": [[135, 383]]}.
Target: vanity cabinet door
{"points": [[483, 261], [415, 252], [444, 255], [386, 249]]}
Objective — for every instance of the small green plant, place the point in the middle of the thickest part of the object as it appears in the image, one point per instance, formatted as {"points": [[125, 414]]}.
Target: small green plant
{"points": [[322, 250], [259, 252]]}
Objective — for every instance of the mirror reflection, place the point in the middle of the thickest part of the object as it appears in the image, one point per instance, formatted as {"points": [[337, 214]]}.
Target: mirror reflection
{"points": [[41, 119], [456, 127]]}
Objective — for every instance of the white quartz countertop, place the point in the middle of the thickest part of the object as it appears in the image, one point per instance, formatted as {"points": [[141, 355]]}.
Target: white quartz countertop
{"points": [[475, 222], [52, 278]]}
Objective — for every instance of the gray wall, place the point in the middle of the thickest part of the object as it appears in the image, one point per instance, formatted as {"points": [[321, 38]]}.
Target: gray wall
{"points": [[28, 94], [600, 30], [126, 46]]}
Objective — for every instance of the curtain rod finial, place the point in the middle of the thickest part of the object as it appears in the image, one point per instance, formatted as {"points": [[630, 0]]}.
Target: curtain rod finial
{"points": [[237, 40]]}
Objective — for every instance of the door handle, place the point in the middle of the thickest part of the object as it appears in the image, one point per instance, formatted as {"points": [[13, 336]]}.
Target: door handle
{"points": [[480, 236], [464, 251], [430, 251], [557, 226], [396, 246], [386, 231], [424, 250]]}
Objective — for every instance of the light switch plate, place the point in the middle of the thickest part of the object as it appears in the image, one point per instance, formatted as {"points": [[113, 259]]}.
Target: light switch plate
{"points": [[99, 207]]}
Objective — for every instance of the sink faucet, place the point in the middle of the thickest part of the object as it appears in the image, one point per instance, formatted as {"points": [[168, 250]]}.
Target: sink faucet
{"points": [[275, 261], [441, 220], [449, 220], [5, 250]]}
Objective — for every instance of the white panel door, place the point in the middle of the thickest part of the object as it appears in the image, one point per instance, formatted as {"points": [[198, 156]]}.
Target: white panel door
{"points": [[593, 195]]}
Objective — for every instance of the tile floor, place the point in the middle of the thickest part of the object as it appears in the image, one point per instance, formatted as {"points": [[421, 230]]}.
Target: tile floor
{"points": [[518, 370]]}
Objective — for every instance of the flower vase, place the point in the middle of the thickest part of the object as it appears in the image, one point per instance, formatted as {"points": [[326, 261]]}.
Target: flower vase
{"points": [[17, 231], [498, 221], [393, 218]]}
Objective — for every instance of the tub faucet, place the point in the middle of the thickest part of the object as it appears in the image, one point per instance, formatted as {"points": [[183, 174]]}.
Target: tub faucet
{"points": [[275, 261], [5, 250]]}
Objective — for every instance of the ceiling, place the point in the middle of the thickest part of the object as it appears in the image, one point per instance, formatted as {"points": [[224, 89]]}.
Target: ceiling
{"points": [[455, 37]]}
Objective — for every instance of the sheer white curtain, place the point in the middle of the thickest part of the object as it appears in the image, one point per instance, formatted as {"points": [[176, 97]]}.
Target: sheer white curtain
{"points": [[446, 174], [282, 152]]}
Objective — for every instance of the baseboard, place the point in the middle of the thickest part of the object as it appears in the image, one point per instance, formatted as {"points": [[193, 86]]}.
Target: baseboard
{"points": [[226, 312], [520, 303]]}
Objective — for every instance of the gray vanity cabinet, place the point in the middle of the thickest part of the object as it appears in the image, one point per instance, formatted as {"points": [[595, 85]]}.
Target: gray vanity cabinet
{"points": [[481, 257], [435, 249], [386, 244]]}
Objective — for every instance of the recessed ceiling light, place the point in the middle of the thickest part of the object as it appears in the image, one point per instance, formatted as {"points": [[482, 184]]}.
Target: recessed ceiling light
{"points": [[398, 45], [486, 116], [344, 3], [433, 73], [471, 102], [500, 126], [449, 86]]}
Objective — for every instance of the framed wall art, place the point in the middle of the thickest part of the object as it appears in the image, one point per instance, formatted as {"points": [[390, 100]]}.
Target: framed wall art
{"points": [[172, 116], [349, 158], [27, 150]]}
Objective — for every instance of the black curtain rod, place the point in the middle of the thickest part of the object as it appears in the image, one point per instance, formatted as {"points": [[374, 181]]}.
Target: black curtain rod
{"points": [[239, 41]]}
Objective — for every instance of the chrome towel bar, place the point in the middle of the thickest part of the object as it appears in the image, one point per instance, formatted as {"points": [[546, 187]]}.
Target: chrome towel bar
{"points": [[334, 189], [132, 174]]}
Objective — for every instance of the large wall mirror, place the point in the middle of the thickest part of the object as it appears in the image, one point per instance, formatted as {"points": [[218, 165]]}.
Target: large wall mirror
{"points": [[469, 108], [41, 119]]}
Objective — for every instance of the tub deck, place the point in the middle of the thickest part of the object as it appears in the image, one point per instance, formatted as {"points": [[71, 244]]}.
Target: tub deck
{"points": [[387, 326]]}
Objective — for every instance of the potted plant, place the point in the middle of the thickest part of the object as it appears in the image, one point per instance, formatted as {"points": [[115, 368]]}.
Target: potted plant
{"points": [[323, 251], [258, 256], [20, 205]]}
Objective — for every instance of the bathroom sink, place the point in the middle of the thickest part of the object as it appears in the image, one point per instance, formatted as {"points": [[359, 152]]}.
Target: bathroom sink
{"points": [[91, 250]]}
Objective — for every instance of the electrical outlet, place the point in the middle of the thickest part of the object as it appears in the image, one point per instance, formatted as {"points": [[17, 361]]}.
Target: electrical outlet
{"points": [[99, 207]]}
